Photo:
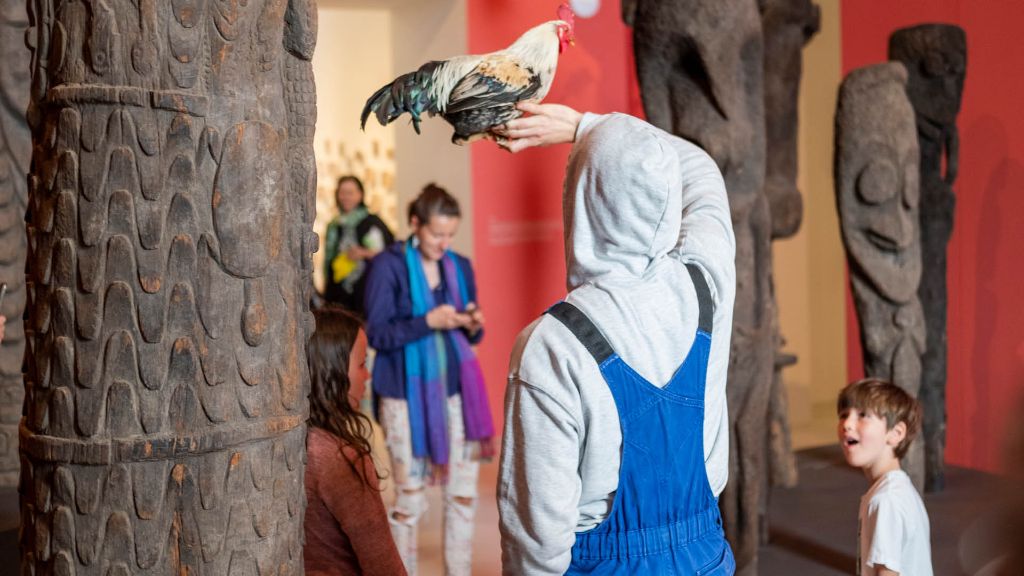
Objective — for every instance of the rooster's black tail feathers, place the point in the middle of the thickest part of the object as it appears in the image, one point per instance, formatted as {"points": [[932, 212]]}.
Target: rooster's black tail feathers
{"points": [[407, 93]]}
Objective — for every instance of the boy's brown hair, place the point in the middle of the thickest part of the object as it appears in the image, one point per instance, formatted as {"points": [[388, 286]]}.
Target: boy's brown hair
{"points": [[885, 400]]}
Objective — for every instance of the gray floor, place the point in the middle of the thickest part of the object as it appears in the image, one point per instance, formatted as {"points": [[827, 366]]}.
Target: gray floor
{"points": [[813, 528]]}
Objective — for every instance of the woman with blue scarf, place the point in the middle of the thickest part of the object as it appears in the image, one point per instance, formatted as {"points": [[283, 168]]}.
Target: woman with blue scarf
{"points": [[422, 319]]}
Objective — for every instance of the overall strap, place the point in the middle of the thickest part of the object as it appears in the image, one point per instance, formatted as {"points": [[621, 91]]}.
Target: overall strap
{"points": [[584, 330], [707, 305]]}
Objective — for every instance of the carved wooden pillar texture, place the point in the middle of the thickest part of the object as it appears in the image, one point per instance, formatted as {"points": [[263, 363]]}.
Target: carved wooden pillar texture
{"points": [[15, 149], [700, 64], [169, 232]]}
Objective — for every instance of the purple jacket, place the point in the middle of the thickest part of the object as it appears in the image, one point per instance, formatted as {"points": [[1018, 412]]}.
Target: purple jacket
{"points": [[390, 324]]}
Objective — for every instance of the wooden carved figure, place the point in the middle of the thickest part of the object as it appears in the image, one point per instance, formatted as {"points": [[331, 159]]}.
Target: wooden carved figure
{"points": [[935, 56], [788, 25], [700, 65], [876, 179], [171, 197]]}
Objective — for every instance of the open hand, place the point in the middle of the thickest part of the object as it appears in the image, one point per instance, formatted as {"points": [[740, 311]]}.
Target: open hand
{"points": [[548, 124]]}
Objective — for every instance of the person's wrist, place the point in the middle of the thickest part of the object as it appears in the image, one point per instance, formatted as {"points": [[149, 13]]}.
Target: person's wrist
{"points": [[576, 118], [583, 123]]}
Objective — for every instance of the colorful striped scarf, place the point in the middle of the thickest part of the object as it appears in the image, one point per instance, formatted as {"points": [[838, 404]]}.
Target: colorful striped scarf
{"points": [[427, 365]]}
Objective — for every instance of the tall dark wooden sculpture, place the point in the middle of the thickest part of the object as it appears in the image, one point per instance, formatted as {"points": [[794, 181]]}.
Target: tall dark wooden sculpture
{"points": [[171, 202], [787, 26], [15, 149], [876, 179], [700, 64], [935, 56]]}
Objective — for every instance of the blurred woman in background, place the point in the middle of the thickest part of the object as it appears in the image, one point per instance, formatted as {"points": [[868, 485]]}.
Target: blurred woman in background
{"points": [[353, 237], [422, 319]]}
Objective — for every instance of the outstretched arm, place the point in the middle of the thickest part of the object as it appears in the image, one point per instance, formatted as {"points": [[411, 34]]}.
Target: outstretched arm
{"points": [[548, 124]]}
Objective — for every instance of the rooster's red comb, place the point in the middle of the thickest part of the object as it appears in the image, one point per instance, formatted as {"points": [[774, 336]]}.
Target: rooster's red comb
{"points": [[566, 14]]}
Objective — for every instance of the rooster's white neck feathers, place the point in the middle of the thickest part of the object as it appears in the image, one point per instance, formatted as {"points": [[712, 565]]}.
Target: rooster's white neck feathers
{"points": [[538, 46]]}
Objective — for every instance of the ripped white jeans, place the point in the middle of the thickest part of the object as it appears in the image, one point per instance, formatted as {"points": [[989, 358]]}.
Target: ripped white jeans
{"points": [[411, 474]]}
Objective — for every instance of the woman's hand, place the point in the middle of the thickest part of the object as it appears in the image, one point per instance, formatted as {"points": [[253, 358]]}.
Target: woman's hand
{"points": [[476, 318], [445, 317], [357, 253], [549, 124], [487, 451]]}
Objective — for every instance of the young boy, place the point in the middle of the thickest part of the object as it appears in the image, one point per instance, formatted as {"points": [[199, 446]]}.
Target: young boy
{"points": [[877, 423]]}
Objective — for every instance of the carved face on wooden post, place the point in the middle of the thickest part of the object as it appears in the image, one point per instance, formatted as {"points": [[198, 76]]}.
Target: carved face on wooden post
{"points": [[877, 178], [877, 190]]}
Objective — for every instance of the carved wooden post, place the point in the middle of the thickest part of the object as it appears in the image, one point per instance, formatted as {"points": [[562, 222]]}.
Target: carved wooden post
{"points": [[171, 194], [15, 149], [876, 179], [700, 64], [935, 56], [787, 27]]}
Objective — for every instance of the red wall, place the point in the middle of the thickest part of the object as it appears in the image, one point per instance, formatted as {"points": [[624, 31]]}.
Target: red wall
{"points": [[986, 277], [518, 250], [518, 253]]}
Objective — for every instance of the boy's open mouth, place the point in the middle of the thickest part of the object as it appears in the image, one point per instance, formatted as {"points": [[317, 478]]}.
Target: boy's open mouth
{"points": [[851, 441]]}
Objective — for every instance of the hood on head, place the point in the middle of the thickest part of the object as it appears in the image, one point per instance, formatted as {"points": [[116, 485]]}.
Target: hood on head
{"points": [[622, 201]]}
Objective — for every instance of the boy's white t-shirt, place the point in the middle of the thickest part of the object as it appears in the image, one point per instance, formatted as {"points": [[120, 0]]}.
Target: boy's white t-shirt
{"points": [[893, 528]]}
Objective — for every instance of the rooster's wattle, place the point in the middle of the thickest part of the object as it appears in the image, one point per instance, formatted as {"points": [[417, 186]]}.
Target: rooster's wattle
{"points": [[476, 93]]}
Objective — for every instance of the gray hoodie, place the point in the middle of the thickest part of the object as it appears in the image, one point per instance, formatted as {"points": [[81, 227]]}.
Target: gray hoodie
{"points": [[638, 204]]}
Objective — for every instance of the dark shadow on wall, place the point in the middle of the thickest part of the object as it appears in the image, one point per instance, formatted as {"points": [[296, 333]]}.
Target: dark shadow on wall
{"points": [[997, 310]]}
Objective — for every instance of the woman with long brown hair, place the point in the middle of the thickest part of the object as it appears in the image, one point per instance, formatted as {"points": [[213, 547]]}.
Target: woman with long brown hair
{"points": [[346, 525]]}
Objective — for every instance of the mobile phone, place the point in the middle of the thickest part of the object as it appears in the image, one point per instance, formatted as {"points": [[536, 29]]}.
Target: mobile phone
{"points": [[3, 292]]}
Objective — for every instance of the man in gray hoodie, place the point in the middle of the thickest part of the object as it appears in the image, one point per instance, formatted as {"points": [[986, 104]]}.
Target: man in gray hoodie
{"points": [[650, 260]]}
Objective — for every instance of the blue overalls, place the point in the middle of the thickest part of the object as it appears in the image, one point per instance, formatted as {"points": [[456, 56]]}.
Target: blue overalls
{"points": [[664, 518]]}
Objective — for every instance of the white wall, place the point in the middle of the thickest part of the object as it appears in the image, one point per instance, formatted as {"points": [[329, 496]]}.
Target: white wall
{"points": [[427, 30], [809, 268], [353, 58], [364, 44]]}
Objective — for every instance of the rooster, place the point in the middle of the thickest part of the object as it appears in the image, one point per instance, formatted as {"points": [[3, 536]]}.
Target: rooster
{"points": [[476, 93]]}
